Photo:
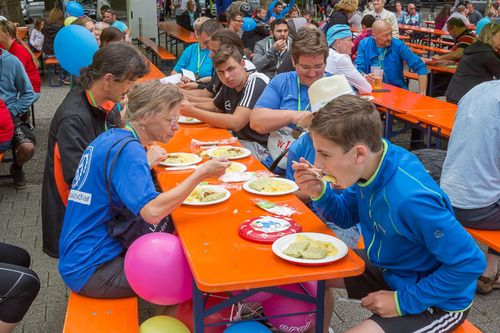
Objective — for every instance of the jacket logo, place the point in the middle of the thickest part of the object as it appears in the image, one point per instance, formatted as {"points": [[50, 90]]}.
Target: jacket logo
{"points": [[83, 169], [227, 105]]}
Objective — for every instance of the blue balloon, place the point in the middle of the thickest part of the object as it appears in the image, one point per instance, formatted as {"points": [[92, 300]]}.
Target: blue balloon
{"points": [[74, 47], [248, 24], [73, 8], [247, 327]]}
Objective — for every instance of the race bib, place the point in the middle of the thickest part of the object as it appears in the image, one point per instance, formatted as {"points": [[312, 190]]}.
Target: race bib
{"points": [[279, 141]]}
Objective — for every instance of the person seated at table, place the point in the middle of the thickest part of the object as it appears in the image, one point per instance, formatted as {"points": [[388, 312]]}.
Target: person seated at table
{"points": [[417, 275], [36, 36], [235, 21], [412, 17], [339, 37], [471, 172], [442, 17], [187, 18], [473, 15], [399, 12], [277, 10], [380, 13], [110, 18], [285, 101], [491, 14], [354, 20], [366, 23], [19, 286], [231, 106], [91, 261], [196, 57], [459, 13], [463, 38], [341, 12], [270, 52], [55, 22], [480, 63], [88, 24], [87, 110], [250, 38], [390, 54], [111, 35]]}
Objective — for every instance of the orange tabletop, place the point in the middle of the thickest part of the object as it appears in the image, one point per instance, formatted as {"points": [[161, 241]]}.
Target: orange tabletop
{"points": [[219, 258], [154, 73], [178, 32], [404, 101], [442, 119], [429, 23], [421, 29]]}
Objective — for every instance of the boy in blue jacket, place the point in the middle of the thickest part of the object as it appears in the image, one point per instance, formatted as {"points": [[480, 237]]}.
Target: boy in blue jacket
{"points": [[421, 265]]}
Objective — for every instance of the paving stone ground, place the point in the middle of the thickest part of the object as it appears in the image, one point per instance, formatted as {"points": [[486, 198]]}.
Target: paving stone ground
{"points": [[20, 224]]}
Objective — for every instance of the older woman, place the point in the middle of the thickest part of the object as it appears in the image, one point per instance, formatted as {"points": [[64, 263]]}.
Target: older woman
{"points": [[113, 183]]}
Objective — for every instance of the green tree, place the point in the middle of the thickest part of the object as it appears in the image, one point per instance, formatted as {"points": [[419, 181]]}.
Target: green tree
{"points": [[11, 9]]}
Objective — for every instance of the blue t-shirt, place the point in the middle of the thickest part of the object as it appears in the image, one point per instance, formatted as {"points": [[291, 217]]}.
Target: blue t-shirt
{"points": [[120, 26], [85, 242], [195, 59]]}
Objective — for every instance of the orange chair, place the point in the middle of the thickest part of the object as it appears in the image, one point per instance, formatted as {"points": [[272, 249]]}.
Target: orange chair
{"points": [[93, 315], [467, 327]]}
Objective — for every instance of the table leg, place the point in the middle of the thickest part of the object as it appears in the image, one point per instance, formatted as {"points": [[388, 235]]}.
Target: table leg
{"points": [[429, 136], [198, 309], [320, 306], [387, 130]]}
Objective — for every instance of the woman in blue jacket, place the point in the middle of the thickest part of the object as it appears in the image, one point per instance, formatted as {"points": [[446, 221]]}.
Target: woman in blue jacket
{"points": [[421, 265]]}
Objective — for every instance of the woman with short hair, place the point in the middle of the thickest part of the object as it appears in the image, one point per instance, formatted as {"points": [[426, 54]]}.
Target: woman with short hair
{"points": [[115, 173]]}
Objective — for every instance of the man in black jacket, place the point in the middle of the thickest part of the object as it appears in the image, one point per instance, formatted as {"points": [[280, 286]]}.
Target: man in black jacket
{"points": [[86, 112], [186, 19]]}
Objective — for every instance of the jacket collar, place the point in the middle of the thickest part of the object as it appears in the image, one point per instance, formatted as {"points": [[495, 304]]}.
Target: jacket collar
{"points": [[385, 171]]}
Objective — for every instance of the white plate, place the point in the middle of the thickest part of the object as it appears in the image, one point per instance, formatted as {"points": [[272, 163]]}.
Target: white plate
{"points": [[244, 152], [282, 243], [367, 97], [236, 177], [294, 188], [237, 167], [196, 159], [189, 120], [211, 187]]}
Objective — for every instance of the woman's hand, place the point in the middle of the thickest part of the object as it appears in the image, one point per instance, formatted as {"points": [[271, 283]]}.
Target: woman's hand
{"points": [[187, 109], [155, 155], [213, 168], [307, 179]]}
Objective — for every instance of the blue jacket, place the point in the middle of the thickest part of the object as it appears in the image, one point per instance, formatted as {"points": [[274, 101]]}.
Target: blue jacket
{"points": [[411, 233], [395, 56], [195, 59], [271, 13]]}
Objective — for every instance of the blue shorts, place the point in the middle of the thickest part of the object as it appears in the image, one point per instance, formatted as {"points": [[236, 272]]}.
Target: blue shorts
{"points": [[6, 145]]}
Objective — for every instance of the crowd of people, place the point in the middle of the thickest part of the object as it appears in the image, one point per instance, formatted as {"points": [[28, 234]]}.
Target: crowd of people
{"points": [[287, 89]]}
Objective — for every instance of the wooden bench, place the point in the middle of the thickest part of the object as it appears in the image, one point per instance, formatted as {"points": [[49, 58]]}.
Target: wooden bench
{"points": [[488, 237], [467, 327], [156, 50], [94, 315], [442, 42], [410, 75], [52, 69], [427, 48], [418, 51]]}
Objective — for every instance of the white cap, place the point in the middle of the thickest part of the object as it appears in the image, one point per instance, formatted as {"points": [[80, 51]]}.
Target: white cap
{"points": [[326, 89]]}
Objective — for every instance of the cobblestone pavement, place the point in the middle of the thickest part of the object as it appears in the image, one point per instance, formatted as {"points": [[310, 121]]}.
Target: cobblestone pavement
{"points": [[20, 224]]}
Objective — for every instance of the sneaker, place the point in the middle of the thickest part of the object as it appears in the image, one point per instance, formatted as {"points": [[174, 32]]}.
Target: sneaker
{"points": [[485, 285], [18, 177]]}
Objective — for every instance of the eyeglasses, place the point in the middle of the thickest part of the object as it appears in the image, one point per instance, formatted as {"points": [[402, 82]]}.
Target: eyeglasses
{"points": [[308, 68], [239, 21]]}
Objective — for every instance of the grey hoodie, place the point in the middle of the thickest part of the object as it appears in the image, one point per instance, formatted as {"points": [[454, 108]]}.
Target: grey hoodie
{"points": [[15, 87]]}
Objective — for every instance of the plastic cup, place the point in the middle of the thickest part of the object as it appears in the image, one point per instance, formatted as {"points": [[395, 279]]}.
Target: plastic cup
{"points": [[378, 75]]}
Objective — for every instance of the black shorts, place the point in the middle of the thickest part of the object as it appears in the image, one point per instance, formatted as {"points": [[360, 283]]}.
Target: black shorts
{"points": [[431, 320], [23, 132]]}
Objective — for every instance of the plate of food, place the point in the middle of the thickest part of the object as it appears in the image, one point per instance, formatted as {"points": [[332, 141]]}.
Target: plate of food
{"points": [[181, 159], [189, 120], [310, 248], [367, 97], [270, 186], [236, 167], [229, 152], [204, 195]]}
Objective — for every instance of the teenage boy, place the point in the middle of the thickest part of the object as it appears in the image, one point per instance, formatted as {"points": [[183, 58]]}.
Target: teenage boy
{"points": [[421, 265], [231, 106]]}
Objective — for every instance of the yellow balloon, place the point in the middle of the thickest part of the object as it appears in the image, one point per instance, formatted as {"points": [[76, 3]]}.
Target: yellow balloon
{"points": [[163, 324], [69, 20]]}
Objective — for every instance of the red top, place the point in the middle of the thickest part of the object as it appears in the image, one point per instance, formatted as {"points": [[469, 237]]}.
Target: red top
{"points": [[6, 124], [29, 65]]}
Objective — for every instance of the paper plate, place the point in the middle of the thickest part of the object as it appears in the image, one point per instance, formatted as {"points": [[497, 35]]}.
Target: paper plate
{"points": [[267, 229], [192, 159], [222, 151], [281, 244], [237, 167], [294, 187], [226, 196], [236, 177], [189, 120]]}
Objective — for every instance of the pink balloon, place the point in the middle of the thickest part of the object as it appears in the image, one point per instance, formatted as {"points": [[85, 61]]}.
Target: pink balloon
{"points": [[157, 270], [257, 298], [278, 305]]}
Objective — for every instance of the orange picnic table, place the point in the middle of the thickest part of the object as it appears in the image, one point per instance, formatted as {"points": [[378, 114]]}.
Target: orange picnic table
{"points": [[222, 261], [154, 73], [403, 104], [440, 121], [175, 34]]}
